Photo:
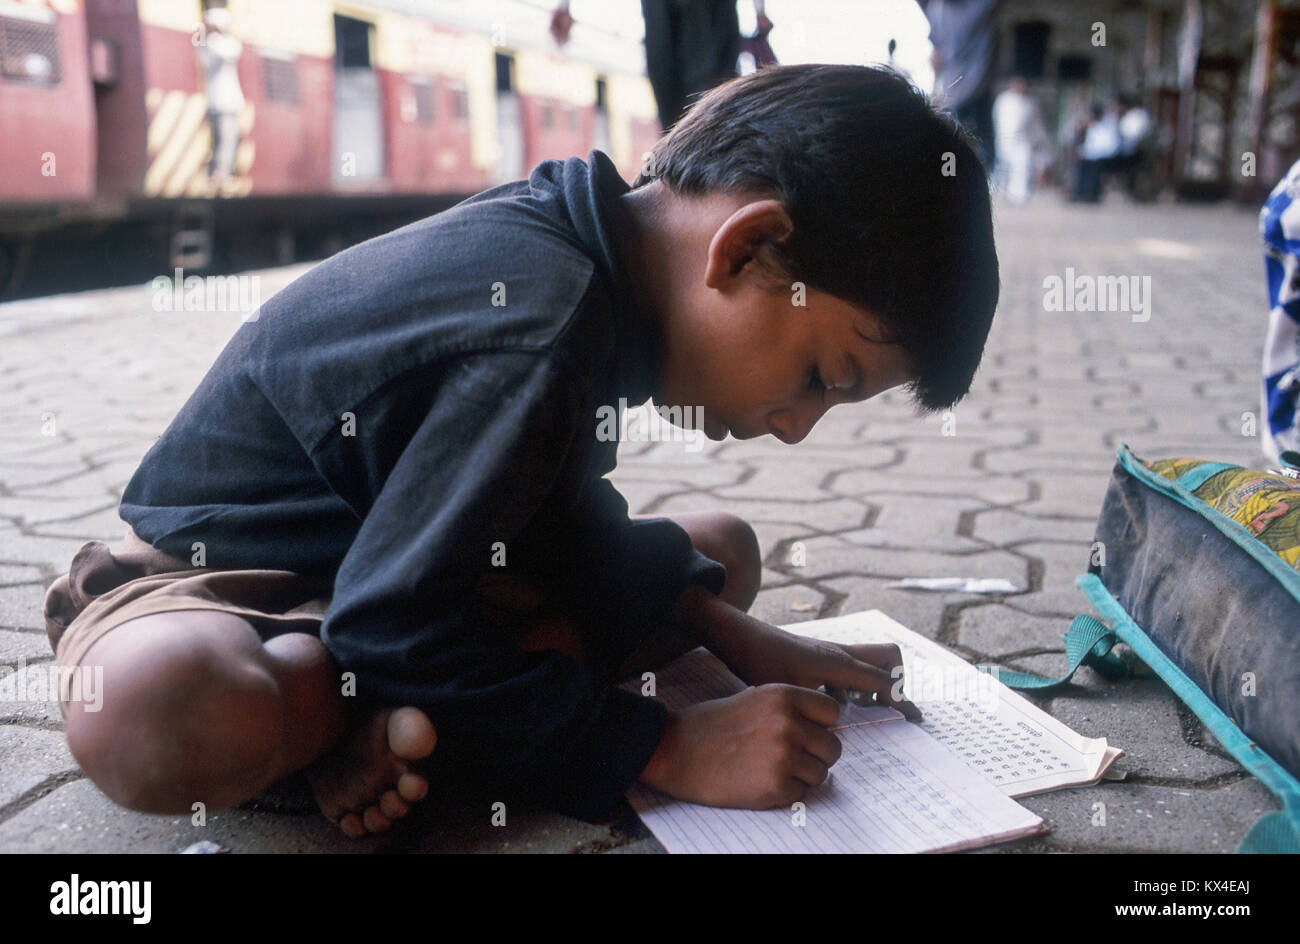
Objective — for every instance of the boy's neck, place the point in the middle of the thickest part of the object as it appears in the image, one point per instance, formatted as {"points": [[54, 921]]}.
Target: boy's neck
{"points": [[651, 250]]}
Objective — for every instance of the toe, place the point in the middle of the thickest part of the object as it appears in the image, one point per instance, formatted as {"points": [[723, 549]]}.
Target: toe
{"points": [[412, 787], [375, 821], [352, 826], [410, 734], [392, 805]]}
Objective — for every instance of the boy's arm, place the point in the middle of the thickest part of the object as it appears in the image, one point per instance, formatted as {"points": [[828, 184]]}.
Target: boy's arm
{"points": [[643, 577], [439, 469], [759, 653], [625, 576]]}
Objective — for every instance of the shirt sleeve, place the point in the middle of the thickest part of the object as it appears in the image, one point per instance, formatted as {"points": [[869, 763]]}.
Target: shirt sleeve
{"points": [[470, 470], [634, 571]]}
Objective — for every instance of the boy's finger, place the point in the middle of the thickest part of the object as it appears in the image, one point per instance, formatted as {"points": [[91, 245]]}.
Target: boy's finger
{"points": [[859, 676], [810, 770], [885, 655], [816, 706], [821, 743]]}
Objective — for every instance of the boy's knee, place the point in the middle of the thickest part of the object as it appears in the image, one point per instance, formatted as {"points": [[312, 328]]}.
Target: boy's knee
{"points": [[174, 718], [735, 546]]}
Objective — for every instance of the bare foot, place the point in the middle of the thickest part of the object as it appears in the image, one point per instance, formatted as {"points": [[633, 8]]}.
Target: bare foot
{"points": [[367, 781]]}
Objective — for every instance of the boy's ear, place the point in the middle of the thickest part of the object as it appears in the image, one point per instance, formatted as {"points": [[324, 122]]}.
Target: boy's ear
{"points": [[745, 236]]}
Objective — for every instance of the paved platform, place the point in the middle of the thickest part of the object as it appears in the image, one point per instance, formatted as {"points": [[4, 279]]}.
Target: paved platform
{"points": [[874, 494]]}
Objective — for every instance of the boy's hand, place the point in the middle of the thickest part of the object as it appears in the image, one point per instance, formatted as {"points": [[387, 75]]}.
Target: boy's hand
{"points": [[760, 653], [758, 749], [778, 656]]}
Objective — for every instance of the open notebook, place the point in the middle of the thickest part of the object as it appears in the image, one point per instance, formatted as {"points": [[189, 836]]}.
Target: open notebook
{"points": [[897, 787], [1018, 747]]}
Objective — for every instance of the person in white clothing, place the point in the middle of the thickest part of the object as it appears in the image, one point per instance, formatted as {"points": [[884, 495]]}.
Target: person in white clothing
{"points": [[219, 54], [1021, 140]]}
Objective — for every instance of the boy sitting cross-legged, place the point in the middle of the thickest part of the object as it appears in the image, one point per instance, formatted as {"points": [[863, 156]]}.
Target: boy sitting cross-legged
{"points": [[384, 512]]}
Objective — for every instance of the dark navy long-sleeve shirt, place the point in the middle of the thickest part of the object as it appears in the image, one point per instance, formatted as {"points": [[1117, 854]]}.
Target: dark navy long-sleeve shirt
{"points": [[404, 406]]}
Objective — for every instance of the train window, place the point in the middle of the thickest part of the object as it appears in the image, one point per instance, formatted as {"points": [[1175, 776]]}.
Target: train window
{"points": [[281, 73], [575, 118], [29, 51], [548, 114], [459, 101], [425, 109]]}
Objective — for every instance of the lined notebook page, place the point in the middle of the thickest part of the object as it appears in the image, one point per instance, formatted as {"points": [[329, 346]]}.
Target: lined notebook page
{"points": [[894, 789], [1017, 746]]}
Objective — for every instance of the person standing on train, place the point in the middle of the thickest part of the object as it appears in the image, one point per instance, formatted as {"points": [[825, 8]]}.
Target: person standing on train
{"points": [[219, 54], [690, 46]]}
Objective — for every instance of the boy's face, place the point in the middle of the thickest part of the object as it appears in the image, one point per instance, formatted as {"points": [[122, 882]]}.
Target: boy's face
{"points": [[754, 358]]}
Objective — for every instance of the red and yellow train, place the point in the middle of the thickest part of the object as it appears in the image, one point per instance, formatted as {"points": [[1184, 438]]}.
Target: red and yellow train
{"points": [[380, 106]]}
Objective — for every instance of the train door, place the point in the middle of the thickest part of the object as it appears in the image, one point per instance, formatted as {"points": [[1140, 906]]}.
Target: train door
{"points": [[358, 112], [510, 122]]}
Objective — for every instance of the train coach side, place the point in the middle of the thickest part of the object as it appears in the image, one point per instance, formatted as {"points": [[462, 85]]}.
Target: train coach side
{"points": [[47, 115]]}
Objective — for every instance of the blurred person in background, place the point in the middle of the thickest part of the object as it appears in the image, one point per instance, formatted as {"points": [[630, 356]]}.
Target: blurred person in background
{"points": [[1021, 142], [1135, 148], [1101, 145], [964, 34], [219, 54], [690, 46]]}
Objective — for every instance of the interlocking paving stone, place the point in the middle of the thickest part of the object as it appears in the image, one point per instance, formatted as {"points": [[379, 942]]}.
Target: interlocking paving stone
{"points": [[17, 574], [31, 757], [1015, 525], [30, 646], [827, 514], [785, 605], [53, 552], [1059, 565], [1149, 818], [77, 818], [918, 522], [1065, 493], [994, 489], [834, 555], [102, 525], [919, 610], [32, 701], [998, 630]]}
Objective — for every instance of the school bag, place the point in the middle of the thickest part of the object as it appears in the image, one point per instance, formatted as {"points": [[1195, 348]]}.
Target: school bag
{"points": [[1196, 567]]}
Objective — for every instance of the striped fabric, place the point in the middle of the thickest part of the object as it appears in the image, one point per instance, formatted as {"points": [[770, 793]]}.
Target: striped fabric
{"points": [[1279, 223]]}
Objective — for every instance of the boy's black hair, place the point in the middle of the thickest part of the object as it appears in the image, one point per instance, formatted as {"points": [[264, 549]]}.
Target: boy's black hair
{"points": [[889, 200]]}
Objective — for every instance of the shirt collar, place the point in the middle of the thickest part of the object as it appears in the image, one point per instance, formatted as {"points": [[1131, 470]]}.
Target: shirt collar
{"points": [[591, 191]]}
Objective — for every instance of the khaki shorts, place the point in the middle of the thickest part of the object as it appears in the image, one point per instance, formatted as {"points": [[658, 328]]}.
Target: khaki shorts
{"points": [[105, 587]]}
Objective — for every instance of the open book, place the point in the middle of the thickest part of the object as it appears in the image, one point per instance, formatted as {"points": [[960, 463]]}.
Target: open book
{"points": [[896, 787]]}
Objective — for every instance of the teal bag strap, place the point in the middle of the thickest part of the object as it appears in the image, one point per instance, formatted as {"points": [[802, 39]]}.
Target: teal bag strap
{"points": [[1088, 642], [1274, 833]]}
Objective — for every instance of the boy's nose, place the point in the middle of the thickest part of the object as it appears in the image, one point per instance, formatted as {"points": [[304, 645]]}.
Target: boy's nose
{"points": [[793, 426]]}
